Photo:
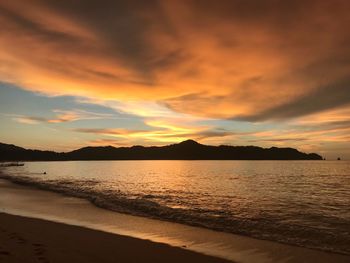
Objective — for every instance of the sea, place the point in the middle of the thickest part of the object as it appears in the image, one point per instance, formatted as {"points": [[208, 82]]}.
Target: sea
{"points": [[303, 203]]}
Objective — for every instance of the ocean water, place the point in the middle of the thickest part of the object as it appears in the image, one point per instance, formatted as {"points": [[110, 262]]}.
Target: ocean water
{"points": [[304, 203]]}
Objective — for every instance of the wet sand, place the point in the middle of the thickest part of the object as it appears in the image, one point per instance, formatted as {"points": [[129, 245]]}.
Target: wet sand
{"points": [[35, 240], [85, 233]]}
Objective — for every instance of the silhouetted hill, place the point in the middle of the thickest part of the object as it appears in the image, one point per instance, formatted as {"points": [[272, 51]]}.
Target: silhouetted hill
{"points": [[10, 152], [187, 150]]}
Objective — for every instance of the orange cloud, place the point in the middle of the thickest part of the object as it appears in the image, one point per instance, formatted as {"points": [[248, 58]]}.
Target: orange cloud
{"points": [[219, 59], [163, 131]]}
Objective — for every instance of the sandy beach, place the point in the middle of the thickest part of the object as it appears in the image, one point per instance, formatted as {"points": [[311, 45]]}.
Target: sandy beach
{"points": [[34, 240]]}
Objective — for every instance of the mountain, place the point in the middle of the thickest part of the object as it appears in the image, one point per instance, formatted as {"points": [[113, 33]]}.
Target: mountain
{"points": [[186, 150]]}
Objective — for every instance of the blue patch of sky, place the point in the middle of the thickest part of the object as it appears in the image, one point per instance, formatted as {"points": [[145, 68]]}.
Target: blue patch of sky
{"points": [[16, 101]]}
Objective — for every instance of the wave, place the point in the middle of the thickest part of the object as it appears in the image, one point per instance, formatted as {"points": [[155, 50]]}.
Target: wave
{"points": [[146, 206]]}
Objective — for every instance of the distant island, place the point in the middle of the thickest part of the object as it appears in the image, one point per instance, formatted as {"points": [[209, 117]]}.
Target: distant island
{"points": [[186, 150]]}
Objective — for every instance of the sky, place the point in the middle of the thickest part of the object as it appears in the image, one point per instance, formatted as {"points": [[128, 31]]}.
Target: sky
{"points": [[122, 73]]}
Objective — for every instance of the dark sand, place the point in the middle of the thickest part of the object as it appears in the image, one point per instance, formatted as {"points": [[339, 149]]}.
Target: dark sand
{"points": [[26, 240]]}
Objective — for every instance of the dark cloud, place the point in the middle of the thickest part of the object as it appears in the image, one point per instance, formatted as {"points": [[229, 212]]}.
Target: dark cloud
{"points": [[12, 21], [212, 134], [325, 98], [192, 103], [123, 27]]}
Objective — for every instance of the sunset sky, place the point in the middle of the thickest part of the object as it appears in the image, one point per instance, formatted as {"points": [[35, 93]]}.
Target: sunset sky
{"points": [[267, 73]]}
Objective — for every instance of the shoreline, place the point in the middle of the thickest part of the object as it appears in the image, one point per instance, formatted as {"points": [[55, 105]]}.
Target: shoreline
{"points": [[29, 202], [100, 202]]}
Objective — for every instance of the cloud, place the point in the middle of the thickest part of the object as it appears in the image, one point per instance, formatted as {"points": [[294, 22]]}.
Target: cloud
{"points": [[252, 61], [63, 116], [331, 127], [164, 131], [324, 98], [279, 140], [29, 119], [110, 132], [100, 142]]}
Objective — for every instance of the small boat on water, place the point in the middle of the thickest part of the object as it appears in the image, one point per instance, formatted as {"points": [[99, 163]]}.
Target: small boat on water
{"points": [[11, 164]]}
